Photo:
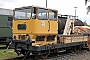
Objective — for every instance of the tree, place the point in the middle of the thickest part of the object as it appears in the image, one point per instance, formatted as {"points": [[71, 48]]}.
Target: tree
{"points": [[85, 24], [88, 8]]}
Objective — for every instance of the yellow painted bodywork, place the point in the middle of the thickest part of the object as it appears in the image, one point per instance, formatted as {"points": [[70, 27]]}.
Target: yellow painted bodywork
{"points": [[36, 27]]}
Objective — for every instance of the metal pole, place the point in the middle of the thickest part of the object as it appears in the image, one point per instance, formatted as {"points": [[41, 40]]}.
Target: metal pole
{"points": [[46, 3], [75, 12]]}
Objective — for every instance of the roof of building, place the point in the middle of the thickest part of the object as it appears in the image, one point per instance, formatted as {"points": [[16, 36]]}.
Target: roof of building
{"points": [[6, 11]]}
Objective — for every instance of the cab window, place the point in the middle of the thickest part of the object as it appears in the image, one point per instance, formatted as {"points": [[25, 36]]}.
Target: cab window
{"points": [[21, 14], [52, 15], [42, 14]]}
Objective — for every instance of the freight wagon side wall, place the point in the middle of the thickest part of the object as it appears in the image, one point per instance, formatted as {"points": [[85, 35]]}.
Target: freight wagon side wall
{"points": [[4, 22], [73, 39]]}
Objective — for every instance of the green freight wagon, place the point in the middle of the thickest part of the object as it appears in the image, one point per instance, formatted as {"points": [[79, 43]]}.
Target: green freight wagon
{"points": [[5, 24]]}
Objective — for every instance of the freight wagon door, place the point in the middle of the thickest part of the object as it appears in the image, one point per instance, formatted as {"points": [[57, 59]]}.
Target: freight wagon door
{"points": [[53, 22]]}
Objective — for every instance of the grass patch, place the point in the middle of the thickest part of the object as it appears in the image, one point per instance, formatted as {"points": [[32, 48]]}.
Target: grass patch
{"points": [[8, 54], [2, 45]]}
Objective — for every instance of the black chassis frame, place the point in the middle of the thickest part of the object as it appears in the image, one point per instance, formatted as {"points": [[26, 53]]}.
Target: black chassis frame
{"points": [[27, 45], [3, 39]]}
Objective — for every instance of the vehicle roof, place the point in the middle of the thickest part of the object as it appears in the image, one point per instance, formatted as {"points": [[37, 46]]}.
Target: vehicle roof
{"points": [[33, 6]]}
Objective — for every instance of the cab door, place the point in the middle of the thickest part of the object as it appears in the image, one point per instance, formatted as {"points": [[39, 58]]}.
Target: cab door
{"points": [[40, 24], [53, 22]]}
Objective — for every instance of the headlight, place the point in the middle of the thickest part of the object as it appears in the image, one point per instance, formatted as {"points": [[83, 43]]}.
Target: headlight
{"points": [[38, 45], [27, 37]]}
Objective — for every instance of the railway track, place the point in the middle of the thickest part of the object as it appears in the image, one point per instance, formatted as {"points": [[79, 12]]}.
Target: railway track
{"points": [[78, 55]]}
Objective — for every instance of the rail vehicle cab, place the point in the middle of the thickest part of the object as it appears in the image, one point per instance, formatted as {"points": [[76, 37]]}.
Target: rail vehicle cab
{"points": [[40, 25]]}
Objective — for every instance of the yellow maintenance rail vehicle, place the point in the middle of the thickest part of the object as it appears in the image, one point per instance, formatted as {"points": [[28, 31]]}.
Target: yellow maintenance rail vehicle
{"points": [[42, 31]]}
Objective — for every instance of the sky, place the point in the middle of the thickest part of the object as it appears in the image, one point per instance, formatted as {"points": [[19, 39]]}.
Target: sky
{"points": [[65, 7]]}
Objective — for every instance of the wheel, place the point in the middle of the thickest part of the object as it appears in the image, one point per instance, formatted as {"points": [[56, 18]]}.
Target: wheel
{"points": [[44, 55], [26, 53]]}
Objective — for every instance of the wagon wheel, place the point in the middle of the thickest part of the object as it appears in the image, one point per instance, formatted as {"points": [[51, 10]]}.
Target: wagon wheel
{"points": [[44, 56], [26, 53]]}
